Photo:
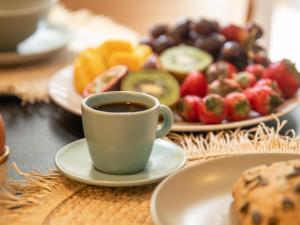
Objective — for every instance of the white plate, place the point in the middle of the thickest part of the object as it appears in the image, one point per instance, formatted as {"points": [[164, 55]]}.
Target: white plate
{"points": [[47, 40], [74, 161], [63, 93], [201, 194]]}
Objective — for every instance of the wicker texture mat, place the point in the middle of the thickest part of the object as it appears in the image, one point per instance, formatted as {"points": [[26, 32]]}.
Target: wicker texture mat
{"points": [[30, 82], [54, 199]]}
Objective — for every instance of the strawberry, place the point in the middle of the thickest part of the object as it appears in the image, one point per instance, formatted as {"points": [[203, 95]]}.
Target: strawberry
{"points": [[264, 99], [249, 93], [245, 79], [256, 69], [194, 84], [238, 106], [188, 108], [235, 33], [224, 87], [212, 109], [220, 70], [286, 75], [270, 83]]}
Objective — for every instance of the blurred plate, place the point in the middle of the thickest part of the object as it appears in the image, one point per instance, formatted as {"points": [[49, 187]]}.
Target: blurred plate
{"points": [[63, 93], [47, 40], [201, 194]]}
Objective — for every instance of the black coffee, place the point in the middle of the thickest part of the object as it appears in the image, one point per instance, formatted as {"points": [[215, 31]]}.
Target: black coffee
{"points": [[121, 107]]}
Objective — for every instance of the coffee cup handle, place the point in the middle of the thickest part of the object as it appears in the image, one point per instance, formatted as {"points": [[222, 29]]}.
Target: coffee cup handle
{"points": [[167, 114]]}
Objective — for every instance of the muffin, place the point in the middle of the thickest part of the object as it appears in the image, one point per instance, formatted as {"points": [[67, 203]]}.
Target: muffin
{"points": [[269, 194]]}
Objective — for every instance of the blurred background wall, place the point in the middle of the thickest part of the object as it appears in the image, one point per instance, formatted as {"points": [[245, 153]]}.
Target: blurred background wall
{"points": [[141, 14]]}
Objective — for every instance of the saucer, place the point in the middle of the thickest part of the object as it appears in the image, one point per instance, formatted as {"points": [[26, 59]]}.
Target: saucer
{"points": [[48, 39], [74, 161]]}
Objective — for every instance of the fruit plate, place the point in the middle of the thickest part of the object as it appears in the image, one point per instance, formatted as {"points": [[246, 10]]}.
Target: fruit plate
{"points": [[63, 93], [201, 194]]}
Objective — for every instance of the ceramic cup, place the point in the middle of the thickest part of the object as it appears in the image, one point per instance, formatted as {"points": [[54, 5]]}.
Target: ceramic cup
{"points": [[121, 142], [19, 19]]}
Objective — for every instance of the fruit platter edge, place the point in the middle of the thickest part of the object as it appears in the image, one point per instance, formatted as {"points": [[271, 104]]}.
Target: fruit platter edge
{"points": [[62, 92]]}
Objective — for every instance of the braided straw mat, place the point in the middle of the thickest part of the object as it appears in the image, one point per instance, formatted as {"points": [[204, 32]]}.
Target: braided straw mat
{"points": [[30, 82], [55, 199]]}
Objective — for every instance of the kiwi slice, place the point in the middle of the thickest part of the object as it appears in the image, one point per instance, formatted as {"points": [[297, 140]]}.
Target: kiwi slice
{"points": [[159, 84], [182, 59]]}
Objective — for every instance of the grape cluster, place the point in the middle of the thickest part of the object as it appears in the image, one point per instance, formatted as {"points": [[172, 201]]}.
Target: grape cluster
{"points": [[232, 43]]}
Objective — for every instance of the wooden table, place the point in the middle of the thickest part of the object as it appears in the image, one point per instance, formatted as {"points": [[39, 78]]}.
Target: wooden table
{"points": [[36, 132]]}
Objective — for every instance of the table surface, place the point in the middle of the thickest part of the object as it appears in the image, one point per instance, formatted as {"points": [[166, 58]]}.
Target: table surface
{"points": [[36, 132]]}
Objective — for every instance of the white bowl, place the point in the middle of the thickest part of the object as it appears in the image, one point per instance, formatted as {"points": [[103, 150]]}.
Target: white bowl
{"points": [[18, 24], [3, 166]]}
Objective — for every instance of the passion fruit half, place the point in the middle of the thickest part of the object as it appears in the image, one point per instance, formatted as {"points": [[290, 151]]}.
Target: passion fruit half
{"points": [[181, 60], [159, 84], [107, 81]]}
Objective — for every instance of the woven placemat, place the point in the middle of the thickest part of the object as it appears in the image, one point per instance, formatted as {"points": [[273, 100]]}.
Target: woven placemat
{"points": [[55, 199], [30, 82]]}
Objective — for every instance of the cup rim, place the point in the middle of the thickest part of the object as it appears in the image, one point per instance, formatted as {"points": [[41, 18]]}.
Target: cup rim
{"points": [[26, 11], [4, 157], [88, 108]]}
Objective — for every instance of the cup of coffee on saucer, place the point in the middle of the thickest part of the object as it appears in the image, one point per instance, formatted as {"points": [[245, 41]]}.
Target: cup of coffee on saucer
{"points": [[19, 19], [120, 129], [122, 145]]}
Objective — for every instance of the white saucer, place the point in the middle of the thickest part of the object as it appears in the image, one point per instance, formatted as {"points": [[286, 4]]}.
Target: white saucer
{"points": [[74, 161], [47, 40]]}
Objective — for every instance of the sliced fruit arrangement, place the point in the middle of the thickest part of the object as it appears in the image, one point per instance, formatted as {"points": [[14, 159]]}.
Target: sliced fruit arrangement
{"points": [[231, 94], [109, 80], [206, 72], [88, 64], [159, 84], [91, 62], [182, 59]]}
